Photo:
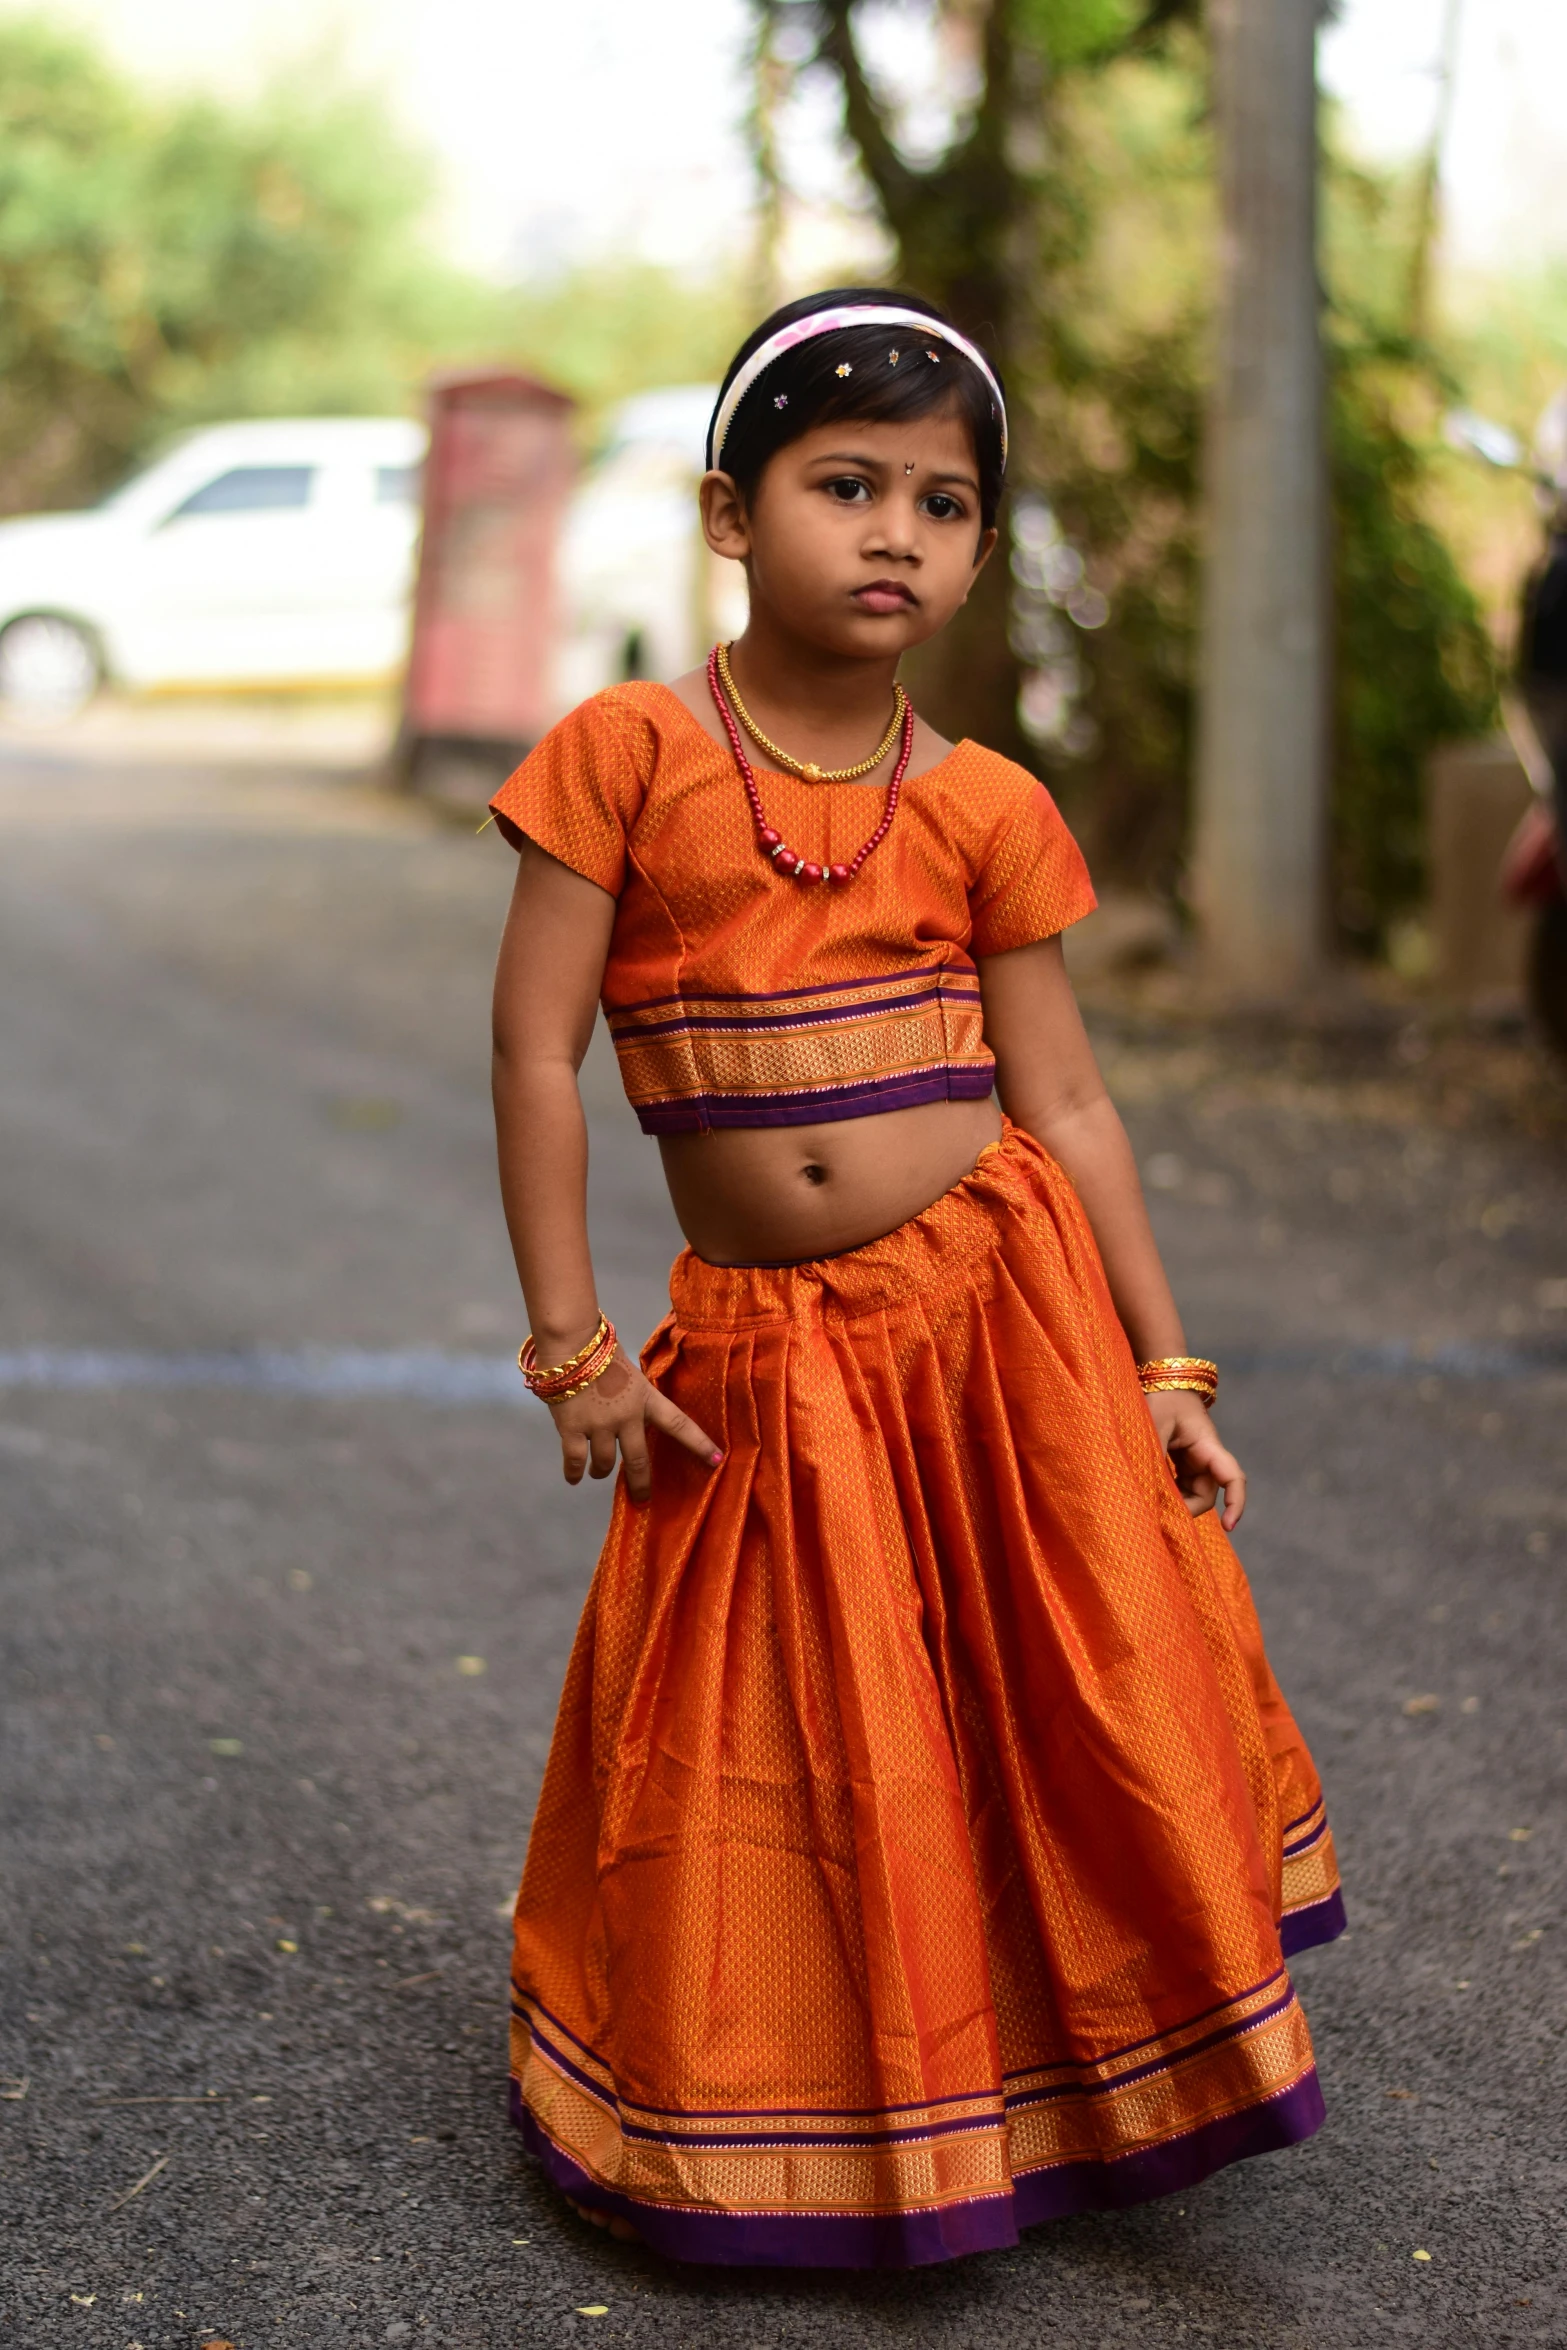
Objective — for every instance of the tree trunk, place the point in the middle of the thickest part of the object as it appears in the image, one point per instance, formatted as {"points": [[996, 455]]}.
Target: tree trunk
{"points": [[1261, 831]]}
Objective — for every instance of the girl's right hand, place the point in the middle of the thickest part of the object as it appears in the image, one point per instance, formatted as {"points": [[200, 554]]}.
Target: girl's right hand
{"points": [[616, 1411]]}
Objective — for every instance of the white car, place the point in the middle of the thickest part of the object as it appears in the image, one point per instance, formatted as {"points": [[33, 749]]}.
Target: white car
{"points": [[259, 554]]}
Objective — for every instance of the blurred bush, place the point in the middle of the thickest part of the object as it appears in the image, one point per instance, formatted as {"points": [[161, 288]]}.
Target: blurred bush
{"points": [[1119, 418], [170, 263], [167, 263], [1068, 222]]}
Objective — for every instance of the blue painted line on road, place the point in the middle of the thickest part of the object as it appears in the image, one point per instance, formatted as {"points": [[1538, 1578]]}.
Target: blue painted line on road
{"points": [[1401, 1358], [426, 1375], [422, 1374]]}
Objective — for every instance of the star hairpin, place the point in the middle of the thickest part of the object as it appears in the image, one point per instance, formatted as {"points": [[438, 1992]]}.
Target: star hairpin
{"points": [[845, 369], [893, 358], [781, 400], [934, 357]]}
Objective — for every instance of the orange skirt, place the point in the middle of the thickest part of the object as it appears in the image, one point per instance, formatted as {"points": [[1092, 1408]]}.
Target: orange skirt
{"points": [[924, 1832]]}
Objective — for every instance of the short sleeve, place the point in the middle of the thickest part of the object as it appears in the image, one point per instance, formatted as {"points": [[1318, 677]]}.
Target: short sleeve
{"points": [[1033, 882], [580, 791]]}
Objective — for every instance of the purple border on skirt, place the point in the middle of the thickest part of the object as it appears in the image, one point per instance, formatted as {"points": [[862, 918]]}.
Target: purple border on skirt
{"points": [[913, 2239], [1319, 1921]]}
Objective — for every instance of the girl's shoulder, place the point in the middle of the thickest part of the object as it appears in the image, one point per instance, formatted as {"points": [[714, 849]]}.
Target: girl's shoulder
{"points": [[638, 712], [983, 796], [581, 788], [1027, 877]]}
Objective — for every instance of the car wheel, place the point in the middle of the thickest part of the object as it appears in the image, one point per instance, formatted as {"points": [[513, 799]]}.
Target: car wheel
{"points": [[50, 667]]}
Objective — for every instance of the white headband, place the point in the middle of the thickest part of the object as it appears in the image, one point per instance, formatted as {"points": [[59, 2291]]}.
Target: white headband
{"points": [[826, 322]]}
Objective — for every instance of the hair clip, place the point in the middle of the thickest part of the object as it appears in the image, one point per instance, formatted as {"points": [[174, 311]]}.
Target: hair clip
{"points": [[934, 357], [845, 369], [781, 400], [892, 357]]}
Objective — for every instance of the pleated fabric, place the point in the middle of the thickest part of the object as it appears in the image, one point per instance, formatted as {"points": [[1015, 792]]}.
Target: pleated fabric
{"points": [[924, 1831]]}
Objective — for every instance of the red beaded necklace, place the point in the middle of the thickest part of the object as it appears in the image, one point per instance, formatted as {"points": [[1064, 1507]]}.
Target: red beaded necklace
{"points": [[770, 841]]}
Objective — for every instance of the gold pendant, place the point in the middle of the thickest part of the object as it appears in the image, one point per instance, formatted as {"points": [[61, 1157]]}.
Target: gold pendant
{"points": [[811, 771]]}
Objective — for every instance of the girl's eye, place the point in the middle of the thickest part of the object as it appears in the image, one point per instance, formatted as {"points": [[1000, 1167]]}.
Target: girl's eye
{"points": [[848, 490], [941, 508]]}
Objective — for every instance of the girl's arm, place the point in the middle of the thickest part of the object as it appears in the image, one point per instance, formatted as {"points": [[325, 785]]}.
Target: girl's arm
{"points": [[1050, 1085], [547, 983]]}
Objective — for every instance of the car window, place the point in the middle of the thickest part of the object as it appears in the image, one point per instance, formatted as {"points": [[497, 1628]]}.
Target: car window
{"points": [[398, 485], [250, 489]]}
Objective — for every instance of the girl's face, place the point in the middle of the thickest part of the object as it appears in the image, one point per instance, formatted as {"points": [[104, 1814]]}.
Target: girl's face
{"points": [[861, 538]]}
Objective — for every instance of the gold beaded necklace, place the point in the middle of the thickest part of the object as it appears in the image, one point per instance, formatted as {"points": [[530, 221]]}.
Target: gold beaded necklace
{"points": [[807, 768]]}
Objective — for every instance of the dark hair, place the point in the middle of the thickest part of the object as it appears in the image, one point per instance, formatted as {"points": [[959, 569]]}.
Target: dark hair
{"points": [[807, 382]]}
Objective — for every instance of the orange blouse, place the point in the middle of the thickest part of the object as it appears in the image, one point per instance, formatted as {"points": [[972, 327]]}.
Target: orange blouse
{"points": [[737, 996]]}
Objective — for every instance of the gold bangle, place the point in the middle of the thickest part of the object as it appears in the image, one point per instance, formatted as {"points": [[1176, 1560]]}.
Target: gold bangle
{"points": [[559, 1380], [1179, 1374]]}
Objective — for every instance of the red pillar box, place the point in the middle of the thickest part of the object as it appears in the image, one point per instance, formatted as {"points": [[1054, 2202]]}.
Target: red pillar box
{"points": [[497, 480]]}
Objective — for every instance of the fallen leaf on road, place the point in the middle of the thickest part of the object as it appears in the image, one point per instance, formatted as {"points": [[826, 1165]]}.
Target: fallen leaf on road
{"points": [[14, 2087], [412, 1982], [290, 1947], [593, 2309], [84, 2300], [299, 1579], [232, 1746], [1421, 1705], [471, 1665], [1519, 1835], [1420, 2256], [1412, 2094], [1527, 1941]]}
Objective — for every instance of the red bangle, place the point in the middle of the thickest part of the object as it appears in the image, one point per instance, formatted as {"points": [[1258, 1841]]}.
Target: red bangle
{"points": [[560, 1380]]}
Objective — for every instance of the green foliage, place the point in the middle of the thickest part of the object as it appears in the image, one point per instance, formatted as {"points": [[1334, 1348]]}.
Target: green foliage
{"points": [[1414, 665], [161, 265], [1072, 33], [168, 264], [605, 331], [1088, 156]]}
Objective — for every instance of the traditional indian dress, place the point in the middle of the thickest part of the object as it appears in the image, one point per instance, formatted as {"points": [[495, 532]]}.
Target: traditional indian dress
{"points": [[924, 1833]]}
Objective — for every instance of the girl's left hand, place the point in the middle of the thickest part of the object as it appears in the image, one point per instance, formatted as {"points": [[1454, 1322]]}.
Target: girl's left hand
{"points": [[1200, 1462]]}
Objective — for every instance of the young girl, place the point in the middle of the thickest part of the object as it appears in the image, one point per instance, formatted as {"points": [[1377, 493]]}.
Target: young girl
{"points": [[924, 1832]]}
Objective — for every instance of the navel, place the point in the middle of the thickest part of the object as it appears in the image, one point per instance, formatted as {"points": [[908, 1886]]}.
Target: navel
{"points": [[814, 1171]]}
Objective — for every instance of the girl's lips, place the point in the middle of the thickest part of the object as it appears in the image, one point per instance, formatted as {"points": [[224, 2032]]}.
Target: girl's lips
{"points": [[884, 595]]}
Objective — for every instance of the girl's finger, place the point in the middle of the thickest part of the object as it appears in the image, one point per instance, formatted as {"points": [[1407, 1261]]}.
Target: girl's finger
{"points": [[634, 1453], [573, 1455], [1234, 1498], [601, 1443], [672, 1421]]}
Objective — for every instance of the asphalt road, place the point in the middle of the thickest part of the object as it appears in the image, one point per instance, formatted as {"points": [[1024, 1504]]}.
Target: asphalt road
{"points": [[282, 1651]]}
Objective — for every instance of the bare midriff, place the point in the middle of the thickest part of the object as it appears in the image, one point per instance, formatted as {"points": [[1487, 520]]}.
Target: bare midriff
{"points": [[781, 1195]]}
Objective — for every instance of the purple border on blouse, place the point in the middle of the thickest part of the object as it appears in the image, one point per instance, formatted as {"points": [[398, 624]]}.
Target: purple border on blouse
{"points": [[913, 2239], [785, 995], [795, 1022], [960, 1082]]}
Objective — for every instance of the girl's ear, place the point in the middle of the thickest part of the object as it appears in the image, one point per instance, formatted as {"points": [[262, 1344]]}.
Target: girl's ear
{"points": [[723, 517], [984, 551]]}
